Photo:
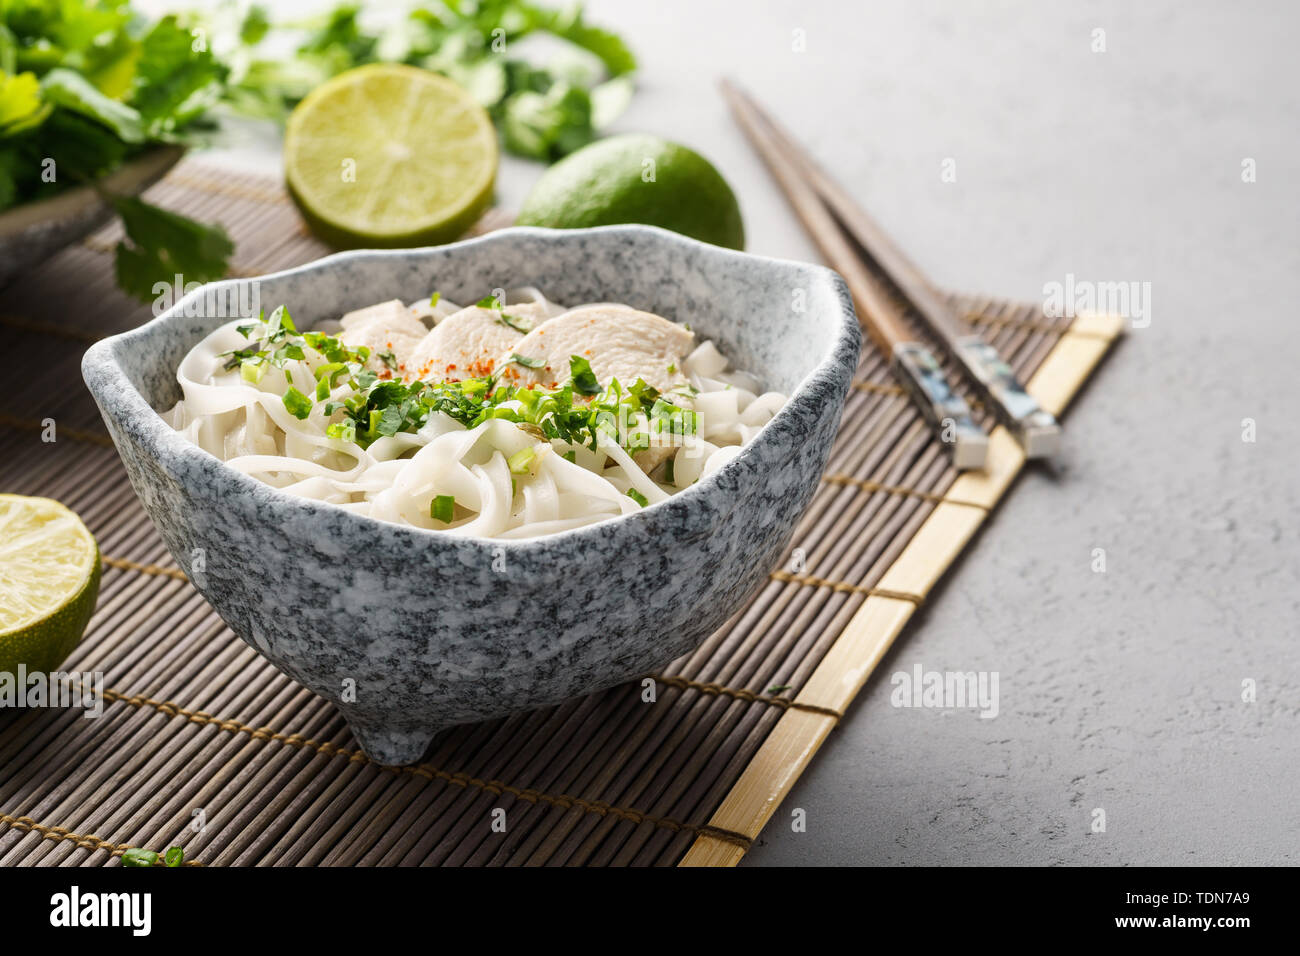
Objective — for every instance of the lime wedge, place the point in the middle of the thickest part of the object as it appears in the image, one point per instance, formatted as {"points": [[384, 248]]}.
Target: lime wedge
{"points": [[390, 156], [49, 579]]}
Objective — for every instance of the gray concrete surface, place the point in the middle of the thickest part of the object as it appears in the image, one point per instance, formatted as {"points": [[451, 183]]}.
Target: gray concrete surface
{"points": [[1119, 690]]}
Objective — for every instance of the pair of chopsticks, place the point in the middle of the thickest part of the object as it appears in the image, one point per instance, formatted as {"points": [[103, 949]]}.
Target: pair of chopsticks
{"points": [[835, 223]]}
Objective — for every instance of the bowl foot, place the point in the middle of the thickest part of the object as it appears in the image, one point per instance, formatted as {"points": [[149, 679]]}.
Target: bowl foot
{"points": [[390, 746]]}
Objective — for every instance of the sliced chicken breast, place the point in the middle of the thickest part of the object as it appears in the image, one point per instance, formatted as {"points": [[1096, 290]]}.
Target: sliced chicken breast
{"points": [[618, 341], [472, 343], [386, 327]]}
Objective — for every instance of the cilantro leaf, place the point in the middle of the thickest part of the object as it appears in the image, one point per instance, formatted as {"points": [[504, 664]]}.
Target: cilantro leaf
{"points": [[162, 244], [73, 91], [584, 379], [176, 82], [21, 107]]}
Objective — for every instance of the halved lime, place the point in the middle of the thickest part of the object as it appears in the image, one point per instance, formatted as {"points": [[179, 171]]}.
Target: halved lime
{"points": [[49, 579], [390, 156]]}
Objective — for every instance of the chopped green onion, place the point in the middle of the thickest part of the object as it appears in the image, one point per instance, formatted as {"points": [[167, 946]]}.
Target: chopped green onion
{"points": [[433, 299], [252, 370], [344, 431], [521, 461], [299, 405], [638, 497], [668, 471], [442, 508]]}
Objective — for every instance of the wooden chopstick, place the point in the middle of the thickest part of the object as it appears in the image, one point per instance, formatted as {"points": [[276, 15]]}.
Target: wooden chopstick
{"points": [[883, 319], [1036, 429], [880, 316]]}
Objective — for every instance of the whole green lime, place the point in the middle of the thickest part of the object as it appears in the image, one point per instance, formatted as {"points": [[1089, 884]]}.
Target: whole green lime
{"points": [[637, 178]]}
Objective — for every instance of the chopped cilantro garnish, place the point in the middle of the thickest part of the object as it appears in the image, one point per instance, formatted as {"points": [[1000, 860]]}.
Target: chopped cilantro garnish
{"points": [[518, 323], [525, 361], [638, 497], [389, 360], [584, 379], [140, 857]]}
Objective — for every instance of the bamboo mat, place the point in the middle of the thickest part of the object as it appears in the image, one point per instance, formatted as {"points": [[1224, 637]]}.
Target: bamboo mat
{"points": [[204, 744]]}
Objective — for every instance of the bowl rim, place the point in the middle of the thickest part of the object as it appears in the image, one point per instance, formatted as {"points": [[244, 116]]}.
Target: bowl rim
{"points": [[106, 378]]}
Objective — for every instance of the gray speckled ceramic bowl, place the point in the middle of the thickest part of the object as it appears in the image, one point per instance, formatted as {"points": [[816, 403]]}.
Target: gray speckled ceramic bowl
{"points": [[410, 631]]}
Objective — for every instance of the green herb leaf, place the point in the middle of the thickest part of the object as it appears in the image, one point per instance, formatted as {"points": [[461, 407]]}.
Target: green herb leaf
{"points": [[162, 245], [21, 107], [138, 857], [176, 82], [255, 26], [74, 92], [526, 362], [638, 497], [584, 379]]}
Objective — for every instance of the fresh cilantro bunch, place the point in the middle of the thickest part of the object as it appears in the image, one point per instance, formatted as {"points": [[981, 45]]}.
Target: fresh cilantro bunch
{"points": [[543, 112], [86, 85]]}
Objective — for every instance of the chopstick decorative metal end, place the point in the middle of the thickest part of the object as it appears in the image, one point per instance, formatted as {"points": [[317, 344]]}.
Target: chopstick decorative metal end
{"points": [[1035, 428], [945, 410]]}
